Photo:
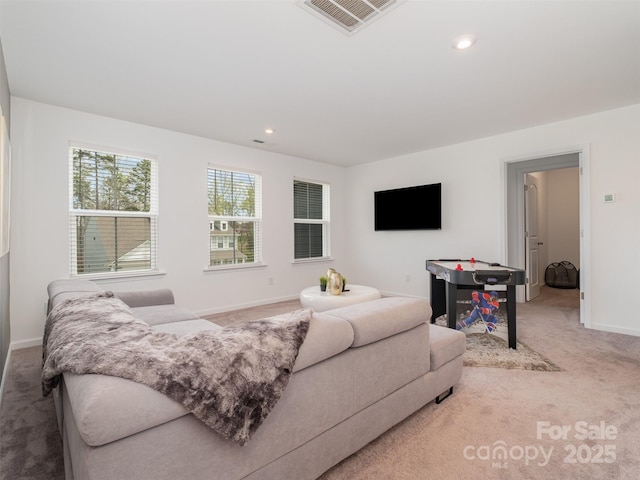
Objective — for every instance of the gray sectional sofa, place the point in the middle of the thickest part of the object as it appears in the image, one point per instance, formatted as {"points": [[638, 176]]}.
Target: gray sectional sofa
{"points": [[361, 370]]}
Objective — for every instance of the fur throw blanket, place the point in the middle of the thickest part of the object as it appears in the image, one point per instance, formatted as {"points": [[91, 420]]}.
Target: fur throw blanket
{"points": [[230, 378]]}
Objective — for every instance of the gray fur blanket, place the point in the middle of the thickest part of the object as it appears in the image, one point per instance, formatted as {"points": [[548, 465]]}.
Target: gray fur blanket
{"points": [[230, 378]]}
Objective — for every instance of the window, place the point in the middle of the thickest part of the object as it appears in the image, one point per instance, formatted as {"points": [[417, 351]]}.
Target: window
{"points": [[113, 212], [311, 219], [235, 217]]}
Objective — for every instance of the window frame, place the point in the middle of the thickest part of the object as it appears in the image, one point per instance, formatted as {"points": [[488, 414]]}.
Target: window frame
{"points": [[325, 221], [227, 239], [152, 214]]}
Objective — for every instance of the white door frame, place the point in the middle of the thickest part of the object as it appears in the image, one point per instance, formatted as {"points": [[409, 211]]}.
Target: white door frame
{"points": [[513, 213]]}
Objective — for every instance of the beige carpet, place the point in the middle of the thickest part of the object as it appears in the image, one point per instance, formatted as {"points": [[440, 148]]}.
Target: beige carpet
{"points": [[492, 349], [492, 410], [495, 407]]}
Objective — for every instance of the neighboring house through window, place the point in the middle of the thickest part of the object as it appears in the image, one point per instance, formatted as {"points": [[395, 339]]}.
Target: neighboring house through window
{"points": [[113, 212], [311, 219], [235, 217]]}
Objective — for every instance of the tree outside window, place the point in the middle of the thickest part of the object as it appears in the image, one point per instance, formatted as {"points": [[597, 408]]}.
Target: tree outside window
{"points": [[113, 212], [235, 211]]}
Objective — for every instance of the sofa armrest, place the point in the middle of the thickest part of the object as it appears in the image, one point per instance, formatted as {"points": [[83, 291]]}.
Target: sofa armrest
{"points": [[378, 319], [146, 298], [106, 408], [64, 289]]}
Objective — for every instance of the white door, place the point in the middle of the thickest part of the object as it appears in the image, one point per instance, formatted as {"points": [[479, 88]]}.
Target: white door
{"points": [[532, 239]]}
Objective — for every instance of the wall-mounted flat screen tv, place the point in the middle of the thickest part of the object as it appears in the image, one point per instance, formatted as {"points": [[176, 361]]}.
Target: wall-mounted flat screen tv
{"points": [[409, 208]]}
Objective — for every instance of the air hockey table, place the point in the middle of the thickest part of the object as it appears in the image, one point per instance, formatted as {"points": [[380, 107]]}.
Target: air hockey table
{"points": [[449, 276]]}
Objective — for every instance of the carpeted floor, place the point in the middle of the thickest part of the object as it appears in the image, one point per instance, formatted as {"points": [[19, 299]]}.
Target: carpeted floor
{"points": [[30, 446], [486, 349], [494, 411]]}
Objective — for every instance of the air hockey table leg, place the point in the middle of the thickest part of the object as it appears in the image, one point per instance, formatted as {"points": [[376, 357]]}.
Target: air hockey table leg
{"points": [[511, 315], [452, 304]]}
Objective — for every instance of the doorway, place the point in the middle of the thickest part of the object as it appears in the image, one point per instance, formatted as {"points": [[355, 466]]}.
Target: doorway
{"points": [[521, 252], [552, 226]]}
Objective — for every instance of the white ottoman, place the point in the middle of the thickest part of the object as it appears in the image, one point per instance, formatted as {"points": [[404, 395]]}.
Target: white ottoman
{"points": [[312, 297]]}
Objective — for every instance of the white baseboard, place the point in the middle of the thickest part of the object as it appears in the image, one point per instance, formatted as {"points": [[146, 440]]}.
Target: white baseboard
{"points": [[395, 294], [604, 327], [31, 342]]}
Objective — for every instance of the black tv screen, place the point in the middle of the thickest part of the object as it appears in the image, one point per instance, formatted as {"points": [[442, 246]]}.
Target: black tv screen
{"points": [[409, 208]]}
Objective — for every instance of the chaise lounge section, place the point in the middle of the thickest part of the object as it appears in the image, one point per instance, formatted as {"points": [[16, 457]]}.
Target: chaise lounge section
{"points": [[361, 370]]}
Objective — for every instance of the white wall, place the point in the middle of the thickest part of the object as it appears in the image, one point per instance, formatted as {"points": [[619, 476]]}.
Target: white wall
{"points": [[474, 209], [40, 221], [563, 222]]}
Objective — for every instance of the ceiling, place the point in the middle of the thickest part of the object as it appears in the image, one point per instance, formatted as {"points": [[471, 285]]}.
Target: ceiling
{"points": [[227, 70]]}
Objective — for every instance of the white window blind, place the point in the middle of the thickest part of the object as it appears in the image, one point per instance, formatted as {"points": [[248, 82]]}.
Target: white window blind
{"points": [[311, 219], [235, 217], [113, 213]]}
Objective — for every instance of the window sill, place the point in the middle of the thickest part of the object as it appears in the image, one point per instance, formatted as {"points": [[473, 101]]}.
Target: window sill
{"points": [[120, 276], [237, 266], [302, 261]]}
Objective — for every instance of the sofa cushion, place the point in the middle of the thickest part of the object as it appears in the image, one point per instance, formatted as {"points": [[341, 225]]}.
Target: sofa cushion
{"points": [[378, 319], [159, 314], [145, 298], [187, 326], [108, 408], [229, 378], [327, 336], [446, 344]]}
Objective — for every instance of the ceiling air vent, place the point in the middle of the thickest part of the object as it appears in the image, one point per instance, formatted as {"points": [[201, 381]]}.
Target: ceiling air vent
{"points": [[349, 16]]}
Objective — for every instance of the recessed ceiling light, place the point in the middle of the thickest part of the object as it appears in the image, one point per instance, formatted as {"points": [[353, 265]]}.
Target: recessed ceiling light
{"points": [[464, 42], [269, 131]]}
